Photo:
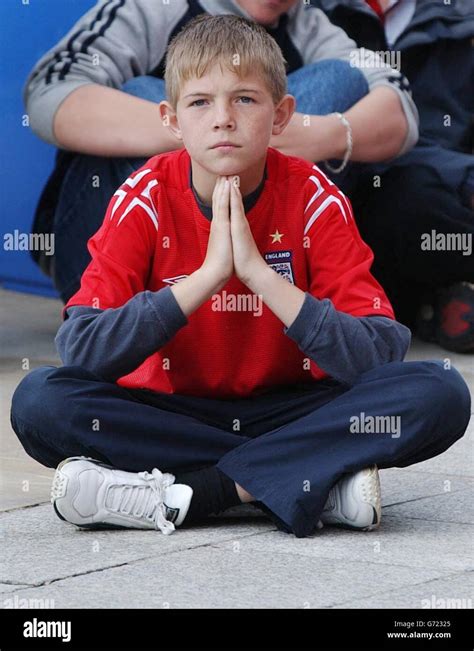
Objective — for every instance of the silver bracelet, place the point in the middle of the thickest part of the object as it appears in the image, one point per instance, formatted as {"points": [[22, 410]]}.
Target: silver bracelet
{"points": [[348, 152]]}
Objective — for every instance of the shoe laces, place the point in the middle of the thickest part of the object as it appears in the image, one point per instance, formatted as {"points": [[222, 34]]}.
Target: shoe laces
{"points": [[146, 500]]}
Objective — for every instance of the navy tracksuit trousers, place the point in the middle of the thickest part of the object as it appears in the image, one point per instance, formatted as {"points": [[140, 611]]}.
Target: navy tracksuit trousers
{"points": [[287, 448]]}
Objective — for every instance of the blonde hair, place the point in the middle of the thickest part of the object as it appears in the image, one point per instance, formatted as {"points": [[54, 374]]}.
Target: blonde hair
{"points": [[239, 44]]}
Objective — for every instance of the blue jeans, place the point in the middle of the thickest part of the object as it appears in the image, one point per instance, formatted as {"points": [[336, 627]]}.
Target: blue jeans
{"points": [[293, 446], [319, 89]]}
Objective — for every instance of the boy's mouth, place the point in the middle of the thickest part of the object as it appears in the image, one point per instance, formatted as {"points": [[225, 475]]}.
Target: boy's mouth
{"points": [[225, 144]]}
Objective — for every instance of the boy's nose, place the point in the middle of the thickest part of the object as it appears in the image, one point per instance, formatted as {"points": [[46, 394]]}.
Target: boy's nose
{"points": [[223, 117]]}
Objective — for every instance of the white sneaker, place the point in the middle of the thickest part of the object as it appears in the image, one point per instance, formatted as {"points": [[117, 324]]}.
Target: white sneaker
{"points": [[355, 502], [93, 495]]}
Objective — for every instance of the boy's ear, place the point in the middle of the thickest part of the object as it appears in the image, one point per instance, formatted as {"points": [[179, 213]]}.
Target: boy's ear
{"points": [[283, 114], [169, 118]]}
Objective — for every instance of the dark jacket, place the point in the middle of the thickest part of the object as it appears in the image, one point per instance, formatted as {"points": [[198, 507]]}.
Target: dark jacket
{"points": [[436, 55]]}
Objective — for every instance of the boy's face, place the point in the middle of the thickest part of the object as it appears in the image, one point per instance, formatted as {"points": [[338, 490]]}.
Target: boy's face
{"points": [[220, 106], [266, 12]]}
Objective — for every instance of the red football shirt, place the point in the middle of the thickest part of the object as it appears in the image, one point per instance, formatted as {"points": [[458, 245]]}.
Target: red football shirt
{"points": [[154, 234]]}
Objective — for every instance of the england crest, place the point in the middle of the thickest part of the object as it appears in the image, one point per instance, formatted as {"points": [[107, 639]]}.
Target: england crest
{"points": [[280, 261]]}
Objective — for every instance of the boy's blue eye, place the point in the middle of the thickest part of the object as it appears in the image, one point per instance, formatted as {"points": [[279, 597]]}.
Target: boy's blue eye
{"points": [[241, 97]]}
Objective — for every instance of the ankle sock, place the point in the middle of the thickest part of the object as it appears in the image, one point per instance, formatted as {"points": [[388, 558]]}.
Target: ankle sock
{"points": [[213, 492]]}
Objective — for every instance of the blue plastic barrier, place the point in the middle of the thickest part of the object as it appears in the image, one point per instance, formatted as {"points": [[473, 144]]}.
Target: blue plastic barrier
{"points": [[30, 29]]}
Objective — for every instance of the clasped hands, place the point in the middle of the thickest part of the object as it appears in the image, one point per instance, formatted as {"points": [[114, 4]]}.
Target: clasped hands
{"points": [[231, 247]]}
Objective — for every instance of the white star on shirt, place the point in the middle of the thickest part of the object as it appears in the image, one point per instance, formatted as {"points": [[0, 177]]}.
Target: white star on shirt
{"points": [[276, 236]]}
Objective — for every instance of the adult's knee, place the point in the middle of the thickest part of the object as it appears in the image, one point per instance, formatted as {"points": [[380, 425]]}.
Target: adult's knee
{"points": [[146, 87], [326, 86], [339, 71]]}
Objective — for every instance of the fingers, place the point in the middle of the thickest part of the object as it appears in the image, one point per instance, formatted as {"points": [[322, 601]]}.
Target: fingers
{"points": [[220, 185], [220, 199], [236, 203], [227, 198]]}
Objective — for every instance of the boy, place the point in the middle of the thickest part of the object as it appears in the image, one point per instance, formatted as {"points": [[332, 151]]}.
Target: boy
{"points": [[170, 361]]}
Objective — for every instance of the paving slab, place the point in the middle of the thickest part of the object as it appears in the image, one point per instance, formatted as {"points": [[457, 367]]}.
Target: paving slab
{"points": [[23, 482], [398, 542], [447, 507], [213, 577], [12, 587], [28, 325], [451, 592], [405, 485], [38, 547]]}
